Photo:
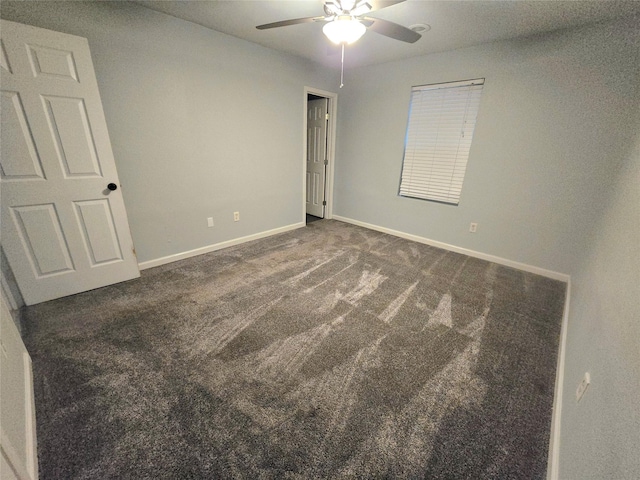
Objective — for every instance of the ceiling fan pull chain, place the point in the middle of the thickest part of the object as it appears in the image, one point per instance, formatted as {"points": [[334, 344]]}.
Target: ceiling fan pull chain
{"points": [[342, 69]]}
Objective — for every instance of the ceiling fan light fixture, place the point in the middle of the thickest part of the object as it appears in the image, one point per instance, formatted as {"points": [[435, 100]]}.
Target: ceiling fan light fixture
{"points": [[344, 29]]}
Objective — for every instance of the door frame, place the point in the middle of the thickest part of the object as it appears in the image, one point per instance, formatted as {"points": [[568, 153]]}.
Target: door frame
{"points": [[331, 149]]}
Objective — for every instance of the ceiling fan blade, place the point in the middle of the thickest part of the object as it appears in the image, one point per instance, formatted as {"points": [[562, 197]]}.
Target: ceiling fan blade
{"points": [[361, 8], [286, 23], [332, 8], [380, 4], [357, 8], [392, 30]]}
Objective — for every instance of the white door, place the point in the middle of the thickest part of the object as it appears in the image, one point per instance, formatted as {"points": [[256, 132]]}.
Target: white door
{"points": [[316, 155], [63, 230], [18, 456]]}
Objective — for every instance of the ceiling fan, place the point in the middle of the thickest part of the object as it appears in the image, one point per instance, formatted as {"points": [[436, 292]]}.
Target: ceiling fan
{"points": [[345, 22]]}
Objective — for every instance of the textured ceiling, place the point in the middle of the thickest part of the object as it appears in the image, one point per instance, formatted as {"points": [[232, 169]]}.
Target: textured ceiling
{"points": [[454, 24]]}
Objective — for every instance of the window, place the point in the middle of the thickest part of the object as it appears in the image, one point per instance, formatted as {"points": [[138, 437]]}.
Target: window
{"points": [[442, 118]]}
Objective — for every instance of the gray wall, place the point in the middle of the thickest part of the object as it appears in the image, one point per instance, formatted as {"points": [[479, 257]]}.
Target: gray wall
{"points": [[600, 436], [553, 117], [202, 124]]}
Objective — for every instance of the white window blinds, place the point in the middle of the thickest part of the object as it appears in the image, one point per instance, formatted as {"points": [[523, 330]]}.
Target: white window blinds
{"points": [[442, 118]]}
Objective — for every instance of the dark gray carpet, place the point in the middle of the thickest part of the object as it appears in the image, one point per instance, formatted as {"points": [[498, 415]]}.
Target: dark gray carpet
{"points": [[328, 352]]}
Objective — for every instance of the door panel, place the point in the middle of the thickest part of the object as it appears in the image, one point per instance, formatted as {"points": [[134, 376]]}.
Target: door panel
{"points": [[63, 231], [49, 61], [41, 236], [318, 191], [99, 233], [4, 61], [71, 134], [19, 154], [316, 155]]}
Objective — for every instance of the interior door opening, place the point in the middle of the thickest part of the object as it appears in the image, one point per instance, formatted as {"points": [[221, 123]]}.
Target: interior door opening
{"points": [[320, 109], [317, 156]]}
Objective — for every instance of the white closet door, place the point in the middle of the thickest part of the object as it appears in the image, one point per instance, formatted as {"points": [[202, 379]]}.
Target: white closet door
{"points": [[63, 230], [316, 155]]}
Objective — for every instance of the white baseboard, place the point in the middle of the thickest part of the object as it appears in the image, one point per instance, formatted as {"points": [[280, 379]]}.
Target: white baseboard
{"points": [[7, 296], [217, 246], [563, 277], [7, 293], [553, 463]]}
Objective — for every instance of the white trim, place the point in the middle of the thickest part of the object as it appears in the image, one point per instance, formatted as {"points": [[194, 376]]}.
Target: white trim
{"points": [[563, 277], [331, 149], [30, 411], [7, 294], [13, 458], [22, 459], [553, 464], [218, 246], [438, 86]]}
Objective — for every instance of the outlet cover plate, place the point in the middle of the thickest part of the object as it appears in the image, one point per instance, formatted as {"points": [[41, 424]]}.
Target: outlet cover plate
{"points": [[582, 387]]}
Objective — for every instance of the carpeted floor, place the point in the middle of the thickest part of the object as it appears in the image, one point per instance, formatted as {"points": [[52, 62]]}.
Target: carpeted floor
{"points": [[331, 351]]}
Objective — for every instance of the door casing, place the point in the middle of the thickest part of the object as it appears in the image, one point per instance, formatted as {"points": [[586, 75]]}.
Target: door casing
{"points": [[331, 149], [18, 444]]}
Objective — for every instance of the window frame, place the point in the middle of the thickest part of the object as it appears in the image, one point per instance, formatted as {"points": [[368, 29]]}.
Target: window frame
{"points": [[422, 125]]}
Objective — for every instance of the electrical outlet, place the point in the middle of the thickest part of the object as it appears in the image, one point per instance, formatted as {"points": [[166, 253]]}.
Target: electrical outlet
{"points": [[584, 384], [473, 227], [236, 216], [210, 221]]}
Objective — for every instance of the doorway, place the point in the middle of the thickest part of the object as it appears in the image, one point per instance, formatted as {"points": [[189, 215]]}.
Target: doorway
{"points": [[319, 153]]}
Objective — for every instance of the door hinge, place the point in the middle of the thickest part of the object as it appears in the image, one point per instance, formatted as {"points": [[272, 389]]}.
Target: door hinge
{"points": [[326, 162], [324, 202], [326, 116]]}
